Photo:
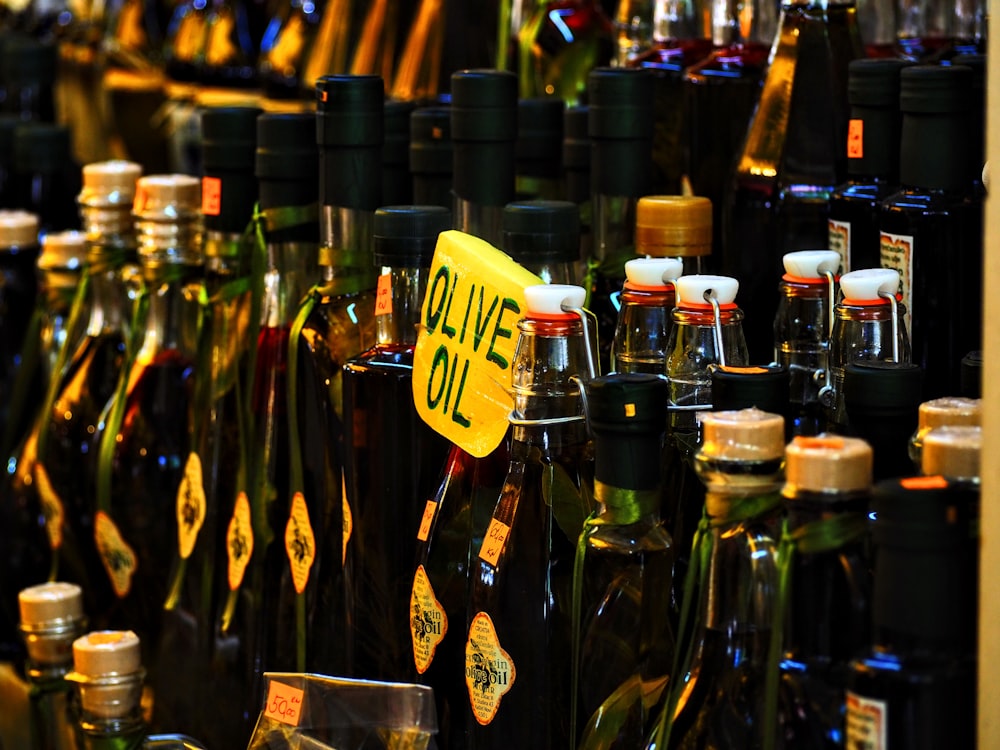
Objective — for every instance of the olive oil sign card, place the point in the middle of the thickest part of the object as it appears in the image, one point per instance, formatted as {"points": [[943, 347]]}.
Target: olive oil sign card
{"points": [[465, 346]]}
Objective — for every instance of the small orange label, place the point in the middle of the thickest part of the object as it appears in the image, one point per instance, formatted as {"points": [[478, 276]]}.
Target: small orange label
{"points": [[52, 506], [489, 670], [493, 542], [744, 370], [818, 443], [190, 506], [211, 196], [383, 295], [239, 541], [300, 544], [935, 482], [284, 703], [116, 555], [425, 523], [428, 620], [855, 139]]}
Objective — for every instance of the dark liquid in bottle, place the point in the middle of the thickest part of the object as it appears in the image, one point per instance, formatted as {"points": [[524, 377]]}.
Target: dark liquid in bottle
{"points": [[857, 205]]}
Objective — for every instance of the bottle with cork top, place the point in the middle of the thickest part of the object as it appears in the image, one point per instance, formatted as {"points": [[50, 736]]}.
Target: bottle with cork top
{"points": [[823, 617], [948, 411], [108, 674], [716, 695], [644, 322], [802, 328], [52, 618]]}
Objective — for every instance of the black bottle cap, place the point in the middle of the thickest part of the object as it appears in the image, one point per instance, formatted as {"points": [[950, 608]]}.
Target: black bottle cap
{"points": [[542, 230], [286, 164], [576, 138], [936, 139], [935, 88], [736, 388], [539, 136], [628, 414], [405, 236], [430, 141], [620, 125], [228, 154], [874, 82], [971, 377], [397, 187], [349, 110], [8, 124], [28, 62], [41, 148], [873, 91]]}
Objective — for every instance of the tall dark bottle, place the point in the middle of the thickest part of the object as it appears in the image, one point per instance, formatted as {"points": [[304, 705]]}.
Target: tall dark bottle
{"points": [[624, 639], [793, 155], [544, 237], [538, 149], [823, 619], [46, 181], [936, 216], [431, 161], [872, 162], [146, 502], [392, 459], [517, 652]]}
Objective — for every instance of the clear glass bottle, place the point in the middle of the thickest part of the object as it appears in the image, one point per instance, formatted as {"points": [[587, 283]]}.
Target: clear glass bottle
{"points": [[146, 499], [716, 696], [392, 459], [517, 653], [868, 325], [872, 162], [947, 411], [51, 619], [793, 155], [633, 31], [824, 612], [108, 672], [625, 642], [644, 321], [802, 328], [544, 237]]}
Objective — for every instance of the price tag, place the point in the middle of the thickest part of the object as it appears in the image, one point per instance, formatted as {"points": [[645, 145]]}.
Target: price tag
{"points": [[211, 196], [493, 542], [425, 523], [855, 139], [284, 703], [383, 295], [466, 341]]}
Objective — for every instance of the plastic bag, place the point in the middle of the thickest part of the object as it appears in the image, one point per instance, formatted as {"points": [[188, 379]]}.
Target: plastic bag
{"points": [[315, 712]]}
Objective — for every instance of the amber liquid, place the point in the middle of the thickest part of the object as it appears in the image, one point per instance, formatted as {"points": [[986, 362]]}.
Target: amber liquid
{"points": [[393, 465]]}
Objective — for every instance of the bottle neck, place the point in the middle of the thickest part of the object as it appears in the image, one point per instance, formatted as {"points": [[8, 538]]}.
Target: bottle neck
{"points": [[174, 311], [108, 229], [345, 253], [110, 304], [227, 257], [478, 219], [110, 712], [291, 272], [676, 20], [735, 22], [614, 231], [398, 303]]}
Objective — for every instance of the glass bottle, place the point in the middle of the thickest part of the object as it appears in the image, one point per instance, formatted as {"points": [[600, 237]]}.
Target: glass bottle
{"points": [[544, 237], [716, 697], [519, 686], [204, 630], [392, 459], [824, 613], [868, 325], [229, 55], [802, 328], [46, 181], [147, 500], [916, 686], [184, 49], [936, 209], [559, 44], [285, 47], [624, 637], [878, 27], [418, 72], [707, 330], [793, 155], [644, 321], [397, 188], [633, 31], [51, 619], [60, 265], [621, 131], [335, 323], [29, 69], [483, 136], [538, 149], [872, 162], [108, 672], [431, 160], [947, 411]]}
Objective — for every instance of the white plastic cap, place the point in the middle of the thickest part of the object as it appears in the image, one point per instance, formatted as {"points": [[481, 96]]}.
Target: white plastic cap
{"points": [[692, 289], [868, 283], [811, 264], [548, 299], [653, 271]]}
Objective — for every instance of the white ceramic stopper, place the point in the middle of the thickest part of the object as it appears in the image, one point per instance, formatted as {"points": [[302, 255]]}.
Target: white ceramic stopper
{"points": [[692, 289], [653, 271], [869, 283], [548, 299], [811, 264]]}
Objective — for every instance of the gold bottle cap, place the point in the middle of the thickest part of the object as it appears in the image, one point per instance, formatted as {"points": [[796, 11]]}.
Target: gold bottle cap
{"points": [[18, 229], [744, 435], [673, 226], [50, 605], [951, 410], [62, 250], [167, 196], [108, 667], [952, 451], [109, 183], [828, 463]]}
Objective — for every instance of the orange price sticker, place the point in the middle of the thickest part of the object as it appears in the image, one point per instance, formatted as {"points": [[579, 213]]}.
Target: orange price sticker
{"points": [[855, 139], [493, 542], [383, 295], [284, 703], [425, 523], [934, 482], [211, 196], [818, 443]]}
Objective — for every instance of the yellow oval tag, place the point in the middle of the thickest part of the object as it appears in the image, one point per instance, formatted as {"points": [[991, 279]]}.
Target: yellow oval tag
{"points": [[239, 541], [117, 556], [190, 506], [52, 506], [489, 670], [428, 620], [299, 542]]}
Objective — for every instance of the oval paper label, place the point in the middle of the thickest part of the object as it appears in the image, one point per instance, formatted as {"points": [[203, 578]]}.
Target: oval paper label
{"points": [[118, 557], [299, 542], [489, 671], [239, 541], [428, 621], [190, 506]]}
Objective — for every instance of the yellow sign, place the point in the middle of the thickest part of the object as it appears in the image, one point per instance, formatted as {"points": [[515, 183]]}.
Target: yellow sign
{"points": [[468, 332], [428, 620]]}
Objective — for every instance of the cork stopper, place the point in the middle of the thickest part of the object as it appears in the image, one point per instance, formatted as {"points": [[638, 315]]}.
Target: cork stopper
{"points": [[828, 464], [673, 226], [949, 411], [18, 229], [109, 183], [51, 617], [744, 435], [62, 251], [548, 299], [167, 196], [952, 451], [108, 667]]}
